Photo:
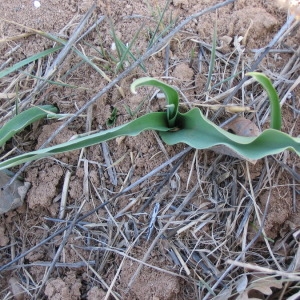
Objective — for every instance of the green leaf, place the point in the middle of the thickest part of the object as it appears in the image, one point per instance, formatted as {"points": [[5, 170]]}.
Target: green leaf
{"points": [[171, 94], [200, 133], [273, 97], [28, 60], [25, 118], [191, 128], [154, 121], [112, 118]]}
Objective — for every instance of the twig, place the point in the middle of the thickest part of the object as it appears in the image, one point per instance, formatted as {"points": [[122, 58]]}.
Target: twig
{"points": [[78, 264], [64, 195], [263, 269], [163, 183], [94, 272]]}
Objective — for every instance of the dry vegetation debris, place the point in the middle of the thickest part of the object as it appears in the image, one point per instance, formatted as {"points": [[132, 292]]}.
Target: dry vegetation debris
{"points": [[223, 228]]}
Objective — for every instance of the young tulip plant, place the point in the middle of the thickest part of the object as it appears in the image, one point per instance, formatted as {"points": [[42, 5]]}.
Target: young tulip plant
{"points": [[191, 128]]}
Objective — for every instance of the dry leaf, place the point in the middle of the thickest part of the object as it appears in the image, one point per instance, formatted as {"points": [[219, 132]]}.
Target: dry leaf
{"points": [[242, 126], [120, 139], [239, 126], [263, 285], [237, 109], [226, 39], [244, 296]]}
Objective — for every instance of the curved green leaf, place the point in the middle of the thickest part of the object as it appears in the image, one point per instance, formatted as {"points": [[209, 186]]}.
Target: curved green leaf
{"points": [[25, 118], [200, 133], [171, 94], [273, 97]]}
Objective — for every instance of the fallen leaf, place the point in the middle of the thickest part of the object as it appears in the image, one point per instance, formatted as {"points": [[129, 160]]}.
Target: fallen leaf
{"points": [[239, 126], [264, 285], [242, 126], [244, 296], [260, 284]]}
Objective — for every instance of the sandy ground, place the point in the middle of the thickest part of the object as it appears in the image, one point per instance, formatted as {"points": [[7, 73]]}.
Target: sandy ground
{"points": [[163, 278]]}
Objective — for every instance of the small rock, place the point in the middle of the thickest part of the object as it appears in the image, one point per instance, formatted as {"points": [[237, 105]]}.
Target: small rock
{"points": [[13, 196]]}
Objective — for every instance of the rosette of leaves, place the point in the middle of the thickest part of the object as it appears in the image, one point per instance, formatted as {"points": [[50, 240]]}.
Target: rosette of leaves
{"points": [[191, 128]]}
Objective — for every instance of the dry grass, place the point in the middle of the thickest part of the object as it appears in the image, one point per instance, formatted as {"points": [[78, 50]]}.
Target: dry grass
{"points": [[209, 227]]}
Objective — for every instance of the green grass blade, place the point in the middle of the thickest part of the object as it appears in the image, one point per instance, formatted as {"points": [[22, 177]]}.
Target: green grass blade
{"points": [[25, 118], [273, 97], [113, 117], [155, 38], [80, 54], [28, 60], [136, 110], [124, 51]]}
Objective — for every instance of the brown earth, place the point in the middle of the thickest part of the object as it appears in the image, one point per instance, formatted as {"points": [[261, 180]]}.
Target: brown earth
{"points": [[91, 182]]}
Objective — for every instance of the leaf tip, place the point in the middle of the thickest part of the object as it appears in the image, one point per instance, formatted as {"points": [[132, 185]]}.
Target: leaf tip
{"points": [[133, 90]]}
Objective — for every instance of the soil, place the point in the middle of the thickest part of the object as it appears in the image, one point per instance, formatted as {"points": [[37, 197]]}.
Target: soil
{"points": [[133, 157]]}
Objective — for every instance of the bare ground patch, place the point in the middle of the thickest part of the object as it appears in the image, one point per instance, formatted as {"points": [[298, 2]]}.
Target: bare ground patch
{"points": [[212, 207]]}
